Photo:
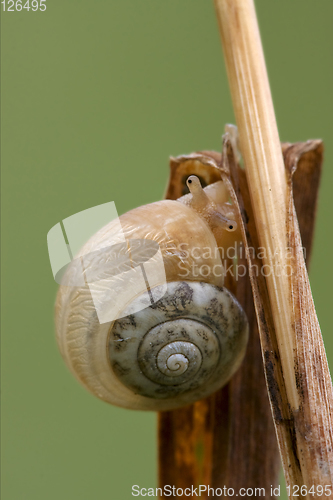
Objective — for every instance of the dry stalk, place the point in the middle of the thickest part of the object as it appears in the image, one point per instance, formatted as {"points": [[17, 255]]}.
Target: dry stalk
{"points": [[206, 443], [299, 382]]}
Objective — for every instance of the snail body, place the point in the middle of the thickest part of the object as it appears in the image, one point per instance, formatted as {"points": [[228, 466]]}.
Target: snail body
{"points": [[212, 205], [155, 354]]}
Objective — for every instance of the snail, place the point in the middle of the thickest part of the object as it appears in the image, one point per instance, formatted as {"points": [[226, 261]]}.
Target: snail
{"points": [[178, 338]]}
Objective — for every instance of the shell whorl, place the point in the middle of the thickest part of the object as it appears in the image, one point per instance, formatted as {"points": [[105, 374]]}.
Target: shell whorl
{"points": [[173, 359], [182, 348]]}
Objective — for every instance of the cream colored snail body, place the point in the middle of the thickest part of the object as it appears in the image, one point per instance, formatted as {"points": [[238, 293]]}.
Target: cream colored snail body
{"points": [[180, 348]]}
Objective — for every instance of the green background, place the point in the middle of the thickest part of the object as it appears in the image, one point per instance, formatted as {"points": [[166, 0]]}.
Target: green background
{"points": [[95, 97]]}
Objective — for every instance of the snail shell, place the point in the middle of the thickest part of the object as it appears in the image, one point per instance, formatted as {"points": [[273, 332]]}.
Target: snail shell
{"points": [[182, 347]]}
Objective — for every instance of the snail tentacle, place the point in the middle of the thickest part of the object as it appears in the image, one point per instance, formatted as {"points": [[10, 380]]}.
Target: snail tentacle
{"points": [[206, 207]]}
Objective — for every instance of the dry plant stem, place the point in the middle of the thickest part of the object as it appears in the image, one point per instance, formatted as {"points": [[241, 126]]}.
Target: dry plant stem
{"points": [[206, 443], [305, 436], [308, 390], [261, 150], [308, 158]]}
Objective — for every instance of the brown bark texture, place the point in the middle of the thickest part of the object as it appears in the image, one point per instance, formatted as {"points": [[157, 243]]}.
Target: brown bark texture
{"points": [[228, 440]]}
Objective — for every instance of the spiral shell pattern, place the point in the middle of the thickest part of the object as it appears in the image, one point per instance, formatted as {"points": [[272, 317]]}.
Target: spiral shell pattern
{"points": [[186, 345], [180, 349], [176, 358]]}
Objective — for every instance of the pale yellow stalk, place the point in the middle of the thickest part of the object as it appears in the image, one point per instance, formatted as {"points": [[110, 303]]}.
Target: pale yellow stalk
{"points": [[261, 150]]}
